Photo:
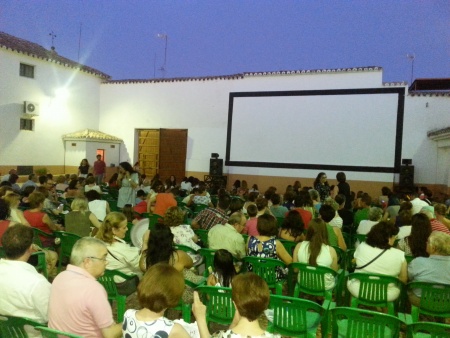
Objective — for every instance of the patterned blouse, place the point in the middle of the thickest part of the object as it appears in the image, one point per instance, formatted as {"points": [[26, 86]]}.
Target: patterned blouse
{"points": [[269, 250]]}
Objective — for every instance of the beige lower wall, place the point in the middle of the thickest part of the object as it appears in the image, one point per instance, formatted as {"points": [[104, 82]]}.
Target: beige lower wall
{"points": [[263, 182]]}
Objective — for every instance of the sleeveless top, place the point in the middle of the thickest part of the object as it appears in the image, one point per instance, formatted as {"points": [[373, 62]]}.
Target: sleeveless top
{"points": [[134, 328], [36, 221], [269, 250], [78, 223], [323, 259], [98, 208]]}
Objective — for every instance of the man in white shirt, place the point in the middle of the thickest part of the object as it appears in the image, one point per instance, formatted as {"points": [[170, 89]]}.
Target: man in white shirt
{"points": [[24, 292], [417, 204], [228, 236]]}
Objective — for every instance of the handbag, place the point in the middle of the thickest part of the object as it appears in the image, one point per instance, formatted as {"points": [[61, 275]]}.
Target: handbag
{"points": [[373, 260]]}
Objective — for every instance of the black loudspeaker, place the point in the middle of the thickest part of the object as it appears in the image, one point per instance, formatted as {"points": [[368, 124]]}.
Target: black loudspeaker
{"points": [[407, 176], [216, 167]]}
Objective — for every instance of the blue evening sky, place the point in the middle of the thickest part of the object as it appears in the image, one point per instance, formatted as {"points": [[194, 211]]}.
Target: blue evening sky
{"points": [[225, 37]]}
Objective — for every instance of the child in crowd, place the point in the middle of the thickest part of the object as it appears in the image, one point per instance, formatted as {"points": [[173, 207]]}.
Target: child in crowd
{"points": [[224, 270], [250, 226]]}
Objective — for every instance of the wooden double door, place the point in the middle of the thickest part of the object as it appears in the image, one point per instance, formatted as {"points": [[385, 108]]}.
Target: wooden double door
{"points": [[163, 152]]}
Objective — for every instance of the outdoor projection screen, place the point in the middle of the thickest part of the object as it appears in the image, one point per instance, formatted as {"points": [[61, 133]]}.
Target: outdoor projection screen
{"points": [[345, 129]]}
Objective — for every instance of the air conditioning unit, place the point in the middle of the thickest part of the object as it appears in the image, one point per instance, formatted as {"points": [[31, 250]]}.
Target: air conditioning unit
{"points": [[31, 108]]}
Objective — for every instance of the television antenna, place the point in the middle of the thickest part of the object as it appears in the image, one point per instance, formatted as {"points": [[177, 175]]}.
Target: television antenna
{"points": [[163, 68], [53, 35], [411, 58]]}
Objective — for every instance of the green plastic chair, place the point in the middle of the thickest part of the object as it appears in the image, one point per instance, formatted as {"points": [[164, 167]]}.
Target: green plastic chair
{"points": [[409, 258], [208, 259], [280, 221], [152, 220], [288, 245], [107, 280], [373, 290], [342, 257], [434, 301], [46, 332], [39, 235], [360, 238], [294, 317], [203, 235], [198, 208], [429, 330], [16, 327], [350, 322], [311, 280], [68, 240], [41, 266], [266, 269], [219, 305]]}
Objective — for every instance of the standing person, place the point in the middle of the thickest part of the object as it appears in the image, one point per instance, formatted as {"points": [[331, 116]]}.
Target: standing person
{"points": [[344, 189], [83, 169], [78, 303], [25, 292], [127, 181], [322, 186], [99, 169]]}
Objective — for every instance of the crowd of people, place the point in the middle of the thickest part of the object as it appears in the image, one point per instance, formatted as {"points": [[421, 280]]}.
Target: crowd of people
{"points": [[241, 222]]}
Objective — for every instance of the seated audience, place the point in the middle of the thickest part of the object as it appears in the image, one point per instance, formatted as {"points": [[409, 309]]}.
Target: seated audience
{"points": [[209, 217], [223, 271], [251, 296], [315, 197], [431, 269], [416, 243], [78, 303], [375, 215], [363, 211], [121, 256], [13, 180], [163, 200], [39, 219], [440, 211], [337, 220], [161, 288], [141, 202], [435, 224], [100, 208], [158, 247], [316, 251], [335, 237], [265, 245], [16, 215], [376, 255], [276, 209], [404, 215], [91, 185], [236, 205], [228, 236], [251, 199], [292, 228], [32, 181], [182, 233], [80, 220], [251, 224], [61, 184], [344, 190], [417, 203], [25, 292], [73, 190], [304, 206], [5, 223]]}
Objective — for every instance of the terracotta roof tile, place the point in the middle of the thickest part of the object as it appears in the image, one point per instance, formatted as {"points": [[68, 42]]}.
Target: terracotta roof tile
{"points": [[90, 134], [37, 51]]}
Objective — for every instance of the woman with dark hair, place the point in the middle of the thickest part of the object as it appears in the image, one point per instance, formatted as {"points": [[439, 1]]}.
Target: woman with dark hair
{"points": [[236, 205], [296, 187], [235, 187], [404, 216], [322, 186], [316, 251], [416, 243], [376, 255], [292, 228], [159, 247], [251, 199], [224, 270], [276, 209], [83, 169], [73, 190], [344, 189], [265, 245], [112, 183], [127, 181]]}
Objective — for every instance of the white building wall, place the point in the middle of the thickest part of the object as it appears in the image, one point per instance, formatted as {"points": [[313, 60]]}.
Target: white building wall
{"points": [[68, 100], [202, 108]]}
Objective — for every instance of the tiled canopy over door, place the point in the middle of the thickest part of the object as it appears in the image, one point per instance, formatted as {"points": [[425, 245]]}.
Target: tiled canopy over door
{"points": [[149, 152], [172, 153]]}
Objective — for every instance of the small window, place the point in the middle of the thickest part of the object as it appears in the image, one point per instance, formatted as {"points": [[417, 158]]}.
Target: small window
{"points": [[26, 124], [26, 70]]}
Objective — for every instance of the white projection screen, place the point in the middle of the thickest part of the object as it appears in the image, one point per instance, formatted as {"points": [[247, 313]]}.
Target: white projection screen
{"points": [[345, 129]]}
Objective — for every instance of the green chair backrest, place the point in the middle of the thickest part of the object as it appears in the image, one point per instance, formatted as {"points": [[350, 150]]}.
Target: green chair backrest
{"points": [[342, 257], [288, 245], [41, 266], [280, 221], [294, 317], [429, 330], [208, 259], [16, 327], [203, 235], [2, 252], [434, 300], [360, 237], [266, 268], [152, 220], [107, 280], [219, 305], [40, 235], [51, 333], [311, 280], [199, 207], [68, 240], [373, 290], [350, 322]]}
